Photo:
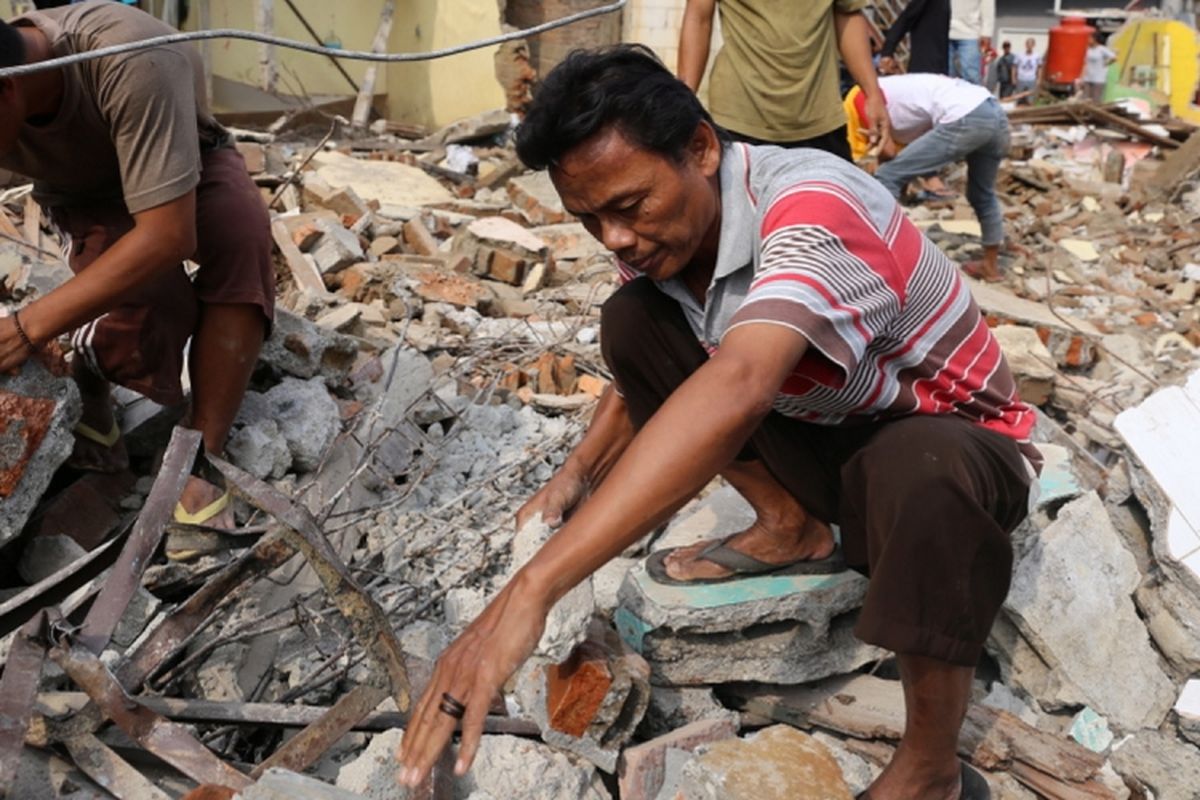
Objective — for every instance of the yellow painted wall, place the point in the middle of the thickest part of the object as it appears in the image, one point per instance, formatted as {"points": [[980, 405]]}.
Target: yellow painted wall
{"points": [[1172, 46], [438, 92]]}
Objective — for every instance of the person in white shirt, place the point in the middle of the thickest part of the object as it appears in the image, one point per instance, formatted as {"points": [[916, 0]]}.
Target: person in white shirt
{"points": [[1029, 69], [1095, 68], [971, 24], [940, 121]]}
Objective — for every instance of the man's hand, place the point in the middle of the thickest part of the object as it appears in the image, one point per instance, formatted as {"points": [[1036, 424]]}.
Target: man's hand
{"points": [[879, 124], [888, 65], [985, 44], [472, 670], [556, 499]]}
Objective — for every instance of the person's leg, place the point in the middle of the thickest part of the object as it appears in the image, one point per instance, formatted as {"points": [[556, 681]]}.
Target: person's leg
{"points": [[235, 285], [983, 164], [970, 60], [927, 504], [651, 350], [924, 156]]}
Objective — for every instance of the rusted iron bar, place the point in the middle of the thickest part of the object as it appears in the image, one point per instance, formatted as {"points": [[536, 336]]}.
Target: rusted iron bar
{"points": [[109, 770], [168, 740], [160, 649], [18, 690], [367, 620], [55, 588], [303, 749], [126, 575]]}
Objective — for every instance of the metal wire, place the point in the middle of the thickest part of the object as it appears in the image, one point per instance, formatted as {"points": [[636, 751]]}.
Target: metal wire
{"points": [[262, 38]]}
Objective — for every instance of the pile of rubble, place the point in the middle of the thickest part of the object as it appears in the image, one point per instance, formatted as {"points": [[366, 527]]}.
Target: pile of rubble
{"points": [[434, 357]]}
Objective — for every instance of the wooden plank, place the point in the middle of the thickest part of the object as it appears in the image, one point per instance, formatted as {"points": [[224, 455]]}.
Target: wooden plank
{"points": [[264, 22], [366, 95]]}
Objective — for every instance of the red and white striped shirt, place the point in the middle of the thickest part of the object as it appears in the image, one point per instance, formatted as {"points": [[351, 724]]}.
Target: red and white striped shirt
{"points": [[810, 242]]}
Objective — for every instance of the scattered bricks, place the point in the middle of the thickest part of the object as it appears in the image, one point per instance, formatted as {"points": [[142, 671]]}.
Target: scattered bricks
{"points": [[547, 379], [592, 385], [591, 703], [419, 239], [642, 768], [576, 688], [535, 279], [501, 249], [37, 414], [537, 199], [340, 318], [566, 376], [1070, 346], [569, 241], [298, 347], [337, 248], [344, 202], [1030, 362], [1114, 166], [306, 236], [790, 763], [443, 286], [383, 245]]}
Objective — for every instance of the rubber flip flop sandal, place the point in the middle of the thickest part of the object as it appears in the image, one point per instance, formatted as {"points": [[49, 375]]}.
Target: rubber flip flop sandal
{"points": [[926, 196], [93, 435], [741, 565], [185, 517]]}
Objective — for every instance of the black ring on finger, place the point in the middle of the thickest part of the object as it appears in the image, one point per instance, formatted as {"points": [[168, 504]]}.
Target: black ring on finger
{"points": [[452, 706]]}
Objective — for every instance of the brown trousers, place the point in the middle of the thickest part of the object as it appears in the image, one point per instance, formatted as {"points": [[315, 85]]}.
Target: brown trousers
{"points": [[925, 503], [140, 344]]}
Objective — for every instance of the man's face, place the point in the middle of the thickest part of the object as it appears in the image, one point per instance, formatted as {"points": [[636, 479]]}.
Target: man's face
{"points": [[1029, 43], [651, 211], [1007, 48], [12, 115]]}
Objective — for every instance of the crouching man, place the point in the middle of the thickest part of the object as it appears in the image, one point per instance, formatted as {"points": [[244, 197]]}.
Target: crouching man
{"points": [[782, 324], [137, 176]]}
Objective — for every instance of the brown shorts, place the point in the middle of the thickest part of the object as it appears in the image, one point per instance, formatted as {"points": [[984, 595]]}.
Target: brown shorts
{"points": [[140, 344], [925, 503]]}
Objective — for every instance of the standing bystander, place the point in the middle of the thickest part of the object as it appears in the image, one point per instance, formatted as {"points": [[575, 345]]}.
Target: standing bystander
{"points": [[971, 24], [1095, 68]]}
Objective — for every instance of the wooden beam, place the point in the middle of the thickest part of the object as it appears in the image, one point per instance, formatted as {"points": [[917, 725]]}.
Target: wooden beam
{"points": [[366, 95]]}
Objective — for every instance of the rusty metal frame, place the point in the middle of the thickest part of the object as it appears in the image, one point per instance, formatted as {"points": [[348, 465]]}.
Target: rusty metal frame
{"points": [[18, 691], [96, 760], [159, 509], [170, 741]]}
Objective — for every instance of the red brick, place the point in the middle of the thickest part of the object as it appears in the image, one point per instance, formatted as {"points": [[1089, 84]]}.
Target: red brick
{"points": [[576, 688]]}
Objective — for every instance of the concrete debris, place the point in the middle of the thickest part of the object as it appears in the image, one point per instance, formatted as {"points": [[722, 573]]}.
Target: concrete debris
{"points": [[1071, 600], [776, 762], [38, 411], [435, 354]]}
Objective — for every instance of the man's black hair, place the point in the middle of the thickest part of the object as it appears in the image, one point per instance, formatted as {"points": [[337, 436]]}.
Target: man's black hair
{"points": [[626, 86], [12, 46]]}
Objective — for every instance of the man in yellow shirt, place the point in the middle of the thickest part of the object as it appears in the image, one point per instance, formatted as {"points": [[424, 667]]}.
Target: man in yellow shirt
{"points": [[775, 80]]}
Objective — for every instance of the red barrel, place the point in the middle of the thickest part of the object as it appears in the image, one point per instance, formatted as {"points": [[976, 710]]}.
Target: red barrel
{"points": [[1067, 50]]}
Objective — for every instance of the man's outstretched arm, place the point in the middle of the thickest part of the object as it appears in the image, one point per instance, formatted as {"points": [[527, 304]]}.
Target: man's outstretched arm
{"points": [[160, 239], [695, 38]]}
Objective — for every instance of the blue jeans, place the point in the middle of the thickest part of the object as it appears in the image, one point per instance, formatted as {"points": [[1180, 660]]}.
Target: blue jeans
{"points": [[965, 59], [981, 138]]}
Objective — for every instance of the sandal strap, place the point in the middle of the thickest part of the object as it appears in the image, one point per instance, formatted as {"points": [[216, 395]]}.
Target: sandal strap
{"points": [[185, 517], [721, 554], [102, 439]]}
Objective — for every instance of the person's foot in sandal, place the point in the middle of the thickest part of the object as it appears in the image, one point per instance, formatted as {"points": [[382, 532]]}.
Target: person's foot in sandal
{"points": [[204, 504], [782, 535], [99, 446], [986, 268]]}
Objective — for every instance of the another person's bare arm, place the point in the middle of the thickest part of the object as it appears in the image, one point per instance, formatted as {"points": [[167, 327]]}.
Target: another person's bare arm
{"points": [[695, 38], [161, 238], [854, 43], [695, 434], [608, 434]]}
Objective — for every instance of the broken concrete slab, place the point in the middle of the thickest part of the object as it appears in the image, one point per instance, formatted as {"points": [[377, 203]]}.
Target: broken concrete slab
{"points": [[38, 412], [1171, 611], [1071, 600], [776, 762], [504, 767], [776, 629], [1160, 763], [570, 241], [307, 418], [1031, 363], [260, 449], [300, 348], [567, 623], [1071, 343], [386, 182], [674, 707], [642, 769], [282, 784], [336, 249]]}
